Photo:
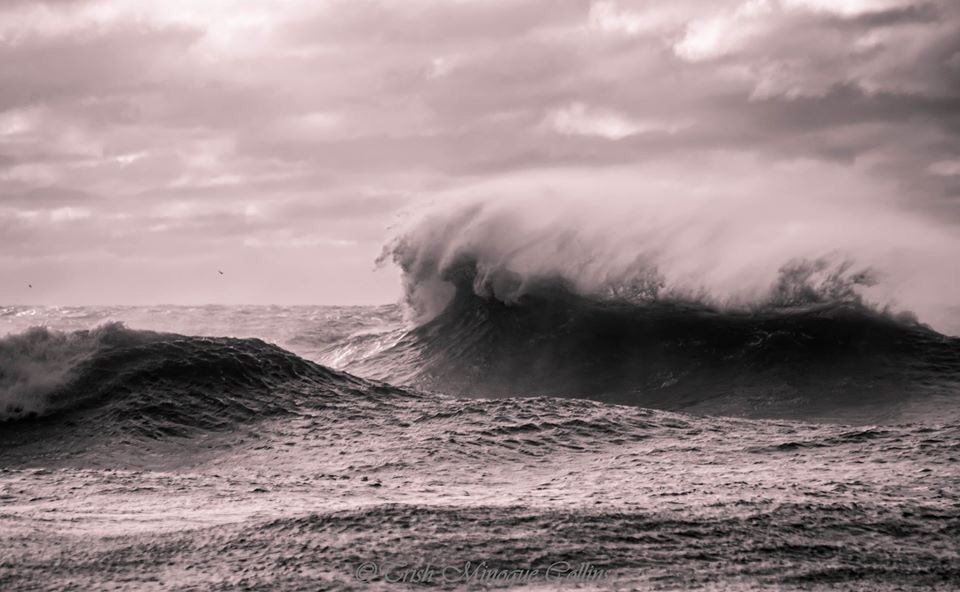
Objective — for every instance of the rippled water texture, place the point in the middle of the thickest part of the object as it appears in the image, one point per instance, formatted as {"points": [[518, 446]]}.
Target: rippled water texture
{"points": [[142, 460]]}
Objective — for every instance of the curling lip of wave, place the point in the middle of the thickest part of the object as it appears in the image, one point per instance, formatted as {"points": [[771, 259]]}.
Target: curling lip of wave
{"points": [[736, 252], [430, 284]]}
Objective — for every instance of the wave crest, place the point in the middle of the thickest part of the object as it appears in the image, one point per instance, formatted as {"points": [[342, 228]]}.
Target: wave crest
{"points": [[493, 251], [149, 381], [37, 362]]}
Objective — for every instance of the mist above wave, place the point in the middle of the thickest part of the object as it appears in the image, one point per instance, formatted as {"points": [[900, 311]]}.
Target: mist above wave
{"points": [[742, 254]]}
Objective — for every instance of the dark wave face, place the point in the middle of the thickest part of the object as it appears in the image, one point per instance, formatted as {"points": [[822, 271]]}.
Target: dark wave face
{"points": [[114, 383], [820, 360]]}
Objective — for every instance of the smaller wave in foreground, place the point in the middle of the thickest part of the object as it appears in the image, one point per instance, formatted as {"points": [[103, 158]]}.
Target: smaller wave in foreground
{"points": [[158, 384]]}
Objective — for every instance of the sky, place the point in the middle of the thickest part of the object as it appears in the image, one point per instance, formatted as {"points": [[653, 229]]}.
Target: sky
{"points": [[145, 146]]}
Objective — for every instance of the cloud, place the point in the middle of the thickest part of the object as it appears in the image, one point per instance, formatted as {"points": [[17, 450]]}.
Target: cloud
{"points": [[329, 117]]}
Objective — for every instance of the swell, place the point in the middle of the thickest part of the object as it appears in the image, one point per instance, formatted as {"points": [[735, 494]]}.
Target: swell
{"points": [[805, 357], [114, 380]]}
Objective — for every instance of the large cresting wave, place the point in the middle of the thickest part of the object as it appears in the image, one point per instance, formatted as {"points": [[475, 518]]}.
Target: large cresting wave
{"points": [[503, 308]]}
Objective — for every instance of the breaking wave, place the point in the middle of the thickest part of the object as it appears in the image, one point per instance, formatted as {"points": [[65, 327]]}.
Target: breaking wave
{"points": [[811, 360], [158, 384], [502, 306]]}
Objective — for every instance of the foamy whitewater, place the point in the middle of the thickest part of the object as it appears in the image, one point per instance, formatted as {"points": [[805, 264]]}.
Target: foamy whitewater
{"points": [[531, 417]]}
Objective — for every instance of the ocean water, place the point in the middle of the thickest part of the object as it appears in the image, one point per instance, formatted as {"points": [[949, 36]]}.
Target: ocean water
{"points": [[550, 442]]}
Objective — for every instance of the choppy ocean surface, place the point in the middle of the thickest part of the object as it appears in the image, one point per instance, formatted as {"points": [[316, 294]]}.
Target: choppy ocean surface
{"points": [[553, 442]]}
